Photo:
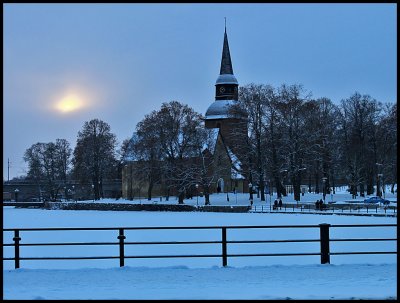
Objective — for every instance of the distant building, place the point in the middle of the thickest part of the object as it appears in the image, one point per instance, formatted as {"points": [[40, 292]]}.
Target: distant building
{"points": [[28, 190], [229, 127]]}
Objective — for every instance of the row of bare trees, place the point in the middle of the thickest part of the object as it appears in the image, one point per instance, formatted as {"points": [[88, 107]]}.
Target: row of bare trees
{"points": [[300, 140], [291, 138], [51, 165]]}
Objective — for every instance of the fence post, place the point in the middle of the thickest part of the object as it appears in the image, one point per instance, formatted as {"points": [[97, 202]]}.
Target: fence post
{"points": [[224, 256], [324, 238], [16, 245], [121, 238]]}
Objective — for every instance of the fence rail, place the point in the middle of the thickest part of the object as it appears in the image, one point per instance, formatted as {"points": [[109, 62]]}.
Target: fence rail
{"points": [[328, 209], [324, 240]]}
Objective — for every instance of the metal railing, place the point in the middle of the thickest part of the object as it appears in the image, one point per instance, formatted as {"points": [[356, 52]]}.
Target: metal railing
{"points": [[328, 208], [324, 241]]}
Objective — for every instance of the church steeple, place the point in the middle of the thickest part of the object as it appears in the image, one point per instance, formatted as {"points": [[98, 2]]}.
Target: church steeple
{"points": [[226, 87], [226, 62], [226, 90]]}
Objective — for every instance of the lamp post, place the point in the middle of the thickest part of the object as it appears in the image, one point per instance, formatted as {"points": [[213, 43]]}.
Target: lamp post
{"points": [[73, 193], [379, 192], [270, 194], [251, 193], [299, 170], [93, 191], [100, 191], [324, 187], [279, 190], [197, 190], [16, 191]]}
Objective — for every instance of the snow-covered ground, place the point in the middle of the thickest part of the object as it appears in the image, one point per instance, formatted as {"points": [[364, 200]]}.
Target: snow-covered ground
{"points": [[341, 196], [300, 277]]}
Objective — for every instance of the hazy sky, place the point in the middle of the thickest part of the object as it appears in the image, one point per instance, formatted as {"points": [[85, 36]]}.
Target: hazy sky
{"points": [[64, 64]]}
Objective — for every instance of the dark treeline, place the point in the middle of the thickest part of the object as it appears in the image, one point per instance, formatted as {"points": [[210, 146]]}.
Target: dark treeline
{"points": [[295, 138], [291, 139]]}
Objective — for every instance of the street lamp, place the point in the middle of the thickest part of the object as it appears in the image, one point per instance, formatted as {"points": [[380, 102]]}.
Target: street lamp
{"points": [[324, 188], [270, 194], [251, 193], [197, 189], [378, 192], [234, 190], [99, 191], [73, 193], [93, 191], [299, 170], [69, 194], [16, 191], [279, 191]]}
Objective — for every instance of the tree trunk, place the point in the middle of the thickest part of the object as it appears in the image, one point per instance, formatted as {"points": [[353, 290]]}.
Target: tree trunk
{"points": [[262, 187], [149, 190], [181, 196]]}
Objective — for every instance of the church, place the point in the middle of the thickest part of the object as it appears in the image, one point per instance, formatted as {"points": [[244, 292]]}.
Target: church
{"points": [[229, 131], [231, 128]]}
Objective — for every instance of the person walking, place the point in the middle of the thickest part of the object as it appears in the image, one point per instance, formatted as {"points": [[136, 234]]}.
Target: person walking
{"points": [[317, 205]]}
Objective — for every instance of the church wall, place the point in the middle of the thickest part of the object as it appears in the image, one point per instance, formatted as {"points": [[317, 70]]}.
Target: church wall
{"points": [[133, 187]]}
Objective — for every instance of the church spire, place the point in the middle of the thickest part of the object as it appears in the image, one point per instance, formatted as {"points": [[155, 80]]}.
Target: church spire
{"points": [[226, 63]]}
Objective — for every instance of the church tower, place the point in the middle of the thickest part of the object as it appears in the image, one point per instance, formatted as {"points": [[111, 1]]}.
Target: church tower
{"points": [[232, 128], [226, 91], [218, 114]]}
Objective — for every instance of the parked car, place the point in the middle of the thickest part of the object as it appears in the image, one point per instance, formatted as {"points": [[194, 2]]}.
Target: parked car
{"points": [[377, 200]]}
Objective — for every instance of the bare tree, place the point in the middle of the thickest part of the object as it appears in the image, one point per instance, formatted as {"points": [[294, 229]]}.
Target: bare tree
{"points": [[48, 165], [255, 100], [147, 151], [321, 127], [360, 116], [179, 129], [387, 145], [294, 143], [94, 155]]}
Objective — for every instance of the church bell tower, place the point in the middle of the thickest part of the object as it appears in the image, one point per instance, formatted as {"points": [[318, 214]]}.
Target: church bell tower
{"points": [[226, 91], [218, 114]]}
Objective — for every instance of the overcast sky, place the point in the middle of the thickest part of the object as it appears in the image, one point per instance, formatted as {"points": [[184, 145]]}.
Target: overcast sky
{"points": [[65, 64]]}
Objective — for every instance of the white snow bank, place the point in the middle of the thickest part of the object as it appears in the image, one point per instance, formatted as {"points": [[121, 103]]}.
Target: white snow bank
{"points": [[361, 281]]}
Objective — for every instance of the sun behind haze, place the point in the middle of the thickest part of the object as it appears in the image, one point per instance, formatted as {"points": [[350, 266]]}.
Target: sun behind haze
{"points": [[70, 103]]}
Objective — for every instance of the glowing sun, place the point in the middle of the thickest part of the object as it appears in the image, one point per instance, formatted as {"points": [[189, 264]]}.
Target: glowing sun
{"points": [[69, 104]]}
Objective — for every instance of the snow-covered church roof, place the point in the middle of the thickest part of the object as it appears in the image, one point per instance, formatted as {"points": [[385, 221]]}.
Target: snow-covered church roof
{"points": [[226, 79], [236, 165], [219, 109]]}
